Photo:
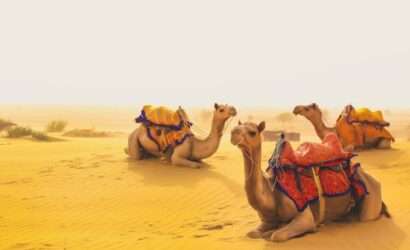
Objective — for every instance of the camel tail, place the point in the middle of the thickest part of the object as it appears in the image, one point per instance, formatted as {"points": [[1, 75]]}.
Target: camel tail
{"points": [[385, 211], [126, 151]]}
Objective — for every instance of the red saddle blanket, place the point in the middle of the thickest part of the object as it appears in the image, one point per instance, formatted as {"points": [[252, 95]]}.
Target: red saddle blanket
{"points": [[336, 173]]}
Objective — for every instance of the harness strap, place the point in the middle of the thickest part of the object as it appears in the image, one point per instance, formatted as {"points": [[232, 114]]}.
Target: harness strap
{"points": [[322, 201]]}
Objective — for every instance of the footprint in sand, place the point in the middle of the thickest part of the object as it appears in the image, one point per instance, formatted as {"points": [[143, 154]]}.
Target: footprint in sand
{"points": [[199, 235], [212, 227], [20, 245]]}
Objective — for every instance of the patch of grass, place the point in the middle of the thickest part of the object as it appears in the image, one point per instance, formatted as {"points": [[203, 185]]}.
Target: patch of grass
{"points": [[17, 132], [56, 126], [87, 133]]}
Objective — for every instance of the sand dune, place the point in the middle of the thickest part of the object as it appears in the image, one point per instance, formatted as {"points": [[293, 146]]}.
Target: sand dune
{"points": [[83, 193]]}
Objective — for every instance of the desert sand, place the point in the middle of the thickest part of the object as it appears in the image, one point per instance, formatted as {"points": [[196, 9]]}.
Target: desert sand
{"points": [[83, 193]]}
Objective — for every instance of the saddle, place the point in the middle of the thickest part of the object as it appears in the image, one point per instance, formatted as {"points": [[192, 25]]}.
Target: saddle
{"points": [[165, 127], [354, 126], [314, 171], [365, 116]]}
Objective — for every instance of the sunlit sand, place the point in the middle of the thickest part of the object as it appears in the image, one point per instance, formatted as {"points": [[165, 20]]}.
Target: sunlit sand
{"points": [[83, 193]]}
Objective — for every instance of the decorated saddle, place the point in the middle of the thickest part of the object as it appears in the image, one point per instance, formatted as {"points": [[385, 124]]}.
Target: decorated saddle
{"points": [[355, 126], [294, 171], [165, 127], [366, 116]]}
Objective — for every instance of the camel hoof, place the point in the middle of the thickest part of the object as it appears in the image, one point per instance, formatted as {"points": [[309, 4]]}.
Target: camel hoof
{"points": [[267, 235], [254, 234], [279, 236], [196, 165]]}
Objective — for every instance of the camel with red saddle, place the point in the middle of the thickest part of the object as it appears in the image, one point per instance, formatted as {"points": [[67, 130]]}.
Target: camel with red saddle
{"points": [[165, 133], [304, 188], [356, 129]]}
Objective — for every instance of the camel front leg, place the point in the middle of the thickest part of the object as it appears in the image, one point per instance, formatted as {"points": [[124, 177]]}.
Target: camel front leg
{"points": [[182, 153], [303, 222], [180, 161], [261, 230], [134, 148], [384, 144]]}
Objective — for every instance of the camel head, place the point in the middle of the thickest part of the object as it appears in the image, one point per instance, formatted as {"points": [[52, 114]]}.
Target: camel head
{"points": [[224, 112], [311, 112], [247, 136]]}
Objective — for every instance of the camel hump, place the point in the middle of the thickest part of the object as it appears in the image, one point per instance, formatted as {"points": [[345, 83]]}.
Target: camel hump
{"points": [[163, 117], [365, 115]]}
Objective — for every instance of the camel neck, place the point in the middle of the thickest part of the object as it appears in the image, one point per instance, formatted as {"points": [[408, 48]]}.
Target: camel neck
{"points": [[320, 127], [203, 148], [254, 179], [217, 128]]}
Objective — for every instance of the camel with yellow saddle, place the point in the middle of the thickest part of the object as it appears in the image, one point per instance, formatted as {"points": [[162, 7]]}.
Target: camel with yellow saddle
{"points": [[304, 188], [356, 128], [167, 133]]}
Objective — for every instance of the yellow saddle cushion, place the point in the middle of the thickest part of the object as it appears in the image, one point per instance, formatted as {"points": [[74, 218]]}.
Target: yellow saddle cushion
{"points": [[163, 117], [166, 127], [365, 115]]}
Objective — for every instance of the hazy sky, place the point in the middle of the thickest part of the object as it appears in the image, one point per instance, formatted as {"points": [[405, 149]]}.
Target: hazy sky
{"points": [[250, 53]]}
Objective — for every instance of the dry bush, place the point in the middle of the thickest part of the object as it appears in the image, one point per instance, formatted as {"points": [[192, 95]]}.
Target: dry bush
{"points": [[17, 132], [5, 124], [86, 133], [56, 126], [41, 136]]}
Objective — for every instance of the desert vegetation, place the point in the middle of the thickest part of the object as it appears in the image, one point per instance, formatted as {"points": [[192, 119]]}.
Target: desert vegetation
{"points": [[20, 132], [5, 124], [56, 126], [87, 133]]}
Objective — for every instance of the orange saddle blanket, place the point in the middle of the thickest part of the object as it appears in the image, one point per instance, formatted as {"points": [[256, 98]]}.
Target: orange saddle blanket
{"points": [[292, 171]]}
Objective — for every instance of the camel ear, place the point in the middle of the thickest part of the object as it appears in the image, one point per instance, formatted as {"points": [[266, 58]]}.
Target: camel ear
{"points": [[239, 122], [216, 106], [261, 126], [314, 105]]}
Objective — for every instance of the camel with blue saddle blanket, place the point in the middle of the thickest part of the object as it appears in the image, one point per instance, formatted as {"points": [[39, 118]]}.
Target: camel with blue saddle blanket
{"points": [[356, 128], [167, 133], [304, 188]]}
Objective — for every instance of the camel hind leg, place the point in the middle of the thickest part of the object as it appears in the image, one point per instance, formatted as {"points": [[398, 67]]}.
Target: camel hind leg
{"points": [[372, 204]]}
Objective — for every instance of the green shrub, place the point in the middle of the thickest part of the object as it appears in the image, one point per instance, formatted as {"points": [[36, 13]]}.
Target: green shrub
{"points": [[56, 126], [16, 132]]}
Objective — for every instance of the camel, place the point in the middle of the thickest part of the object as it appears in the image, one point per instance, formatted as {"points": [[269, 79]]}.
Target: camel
{"points": [[352, 136], [280, 218], [192, 150]]}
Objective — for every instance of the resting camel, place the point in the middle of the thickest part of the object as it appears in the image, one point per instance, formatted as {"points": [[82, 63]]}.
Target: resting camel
{"points": [[192, 150], [352, 136], [280, 219]]}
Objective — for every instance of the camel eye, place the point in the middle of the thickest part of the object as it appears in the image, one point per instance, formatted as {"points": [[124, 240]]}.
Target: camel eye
{"points": [[158, 132], [252, 133], [221, 110]]}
